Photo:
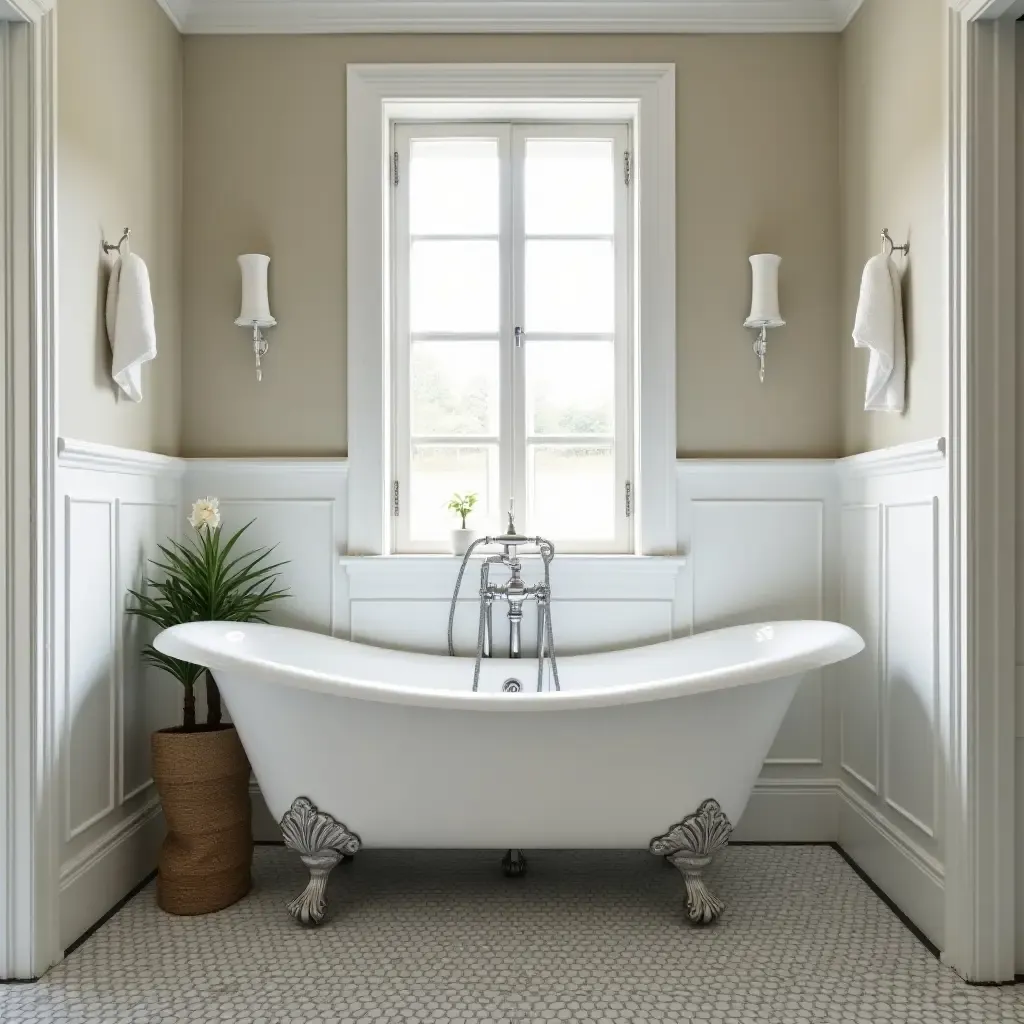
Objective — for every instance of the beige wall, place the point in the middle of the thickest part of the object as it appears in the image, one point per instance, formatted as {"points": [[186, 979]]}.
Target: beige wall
{"points": [[119, 84], [758, 136], [893, 159]]}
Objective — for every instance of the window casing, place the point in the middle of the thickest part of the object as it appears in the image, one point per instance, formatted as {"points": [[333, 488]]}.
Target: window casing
{"points": [[497, 226]]}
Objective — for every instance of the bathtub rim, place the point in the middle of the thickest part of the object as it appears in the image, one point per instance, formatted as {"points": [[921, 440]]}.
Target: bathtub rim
{"points": [[178, 642]]}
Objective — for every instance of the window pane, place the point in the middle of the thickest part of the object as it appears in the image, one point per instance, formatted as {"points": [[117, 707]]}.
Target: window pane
{"points": [[440, 471], [570, 387], [454, 387], [453, 187], [570, 287], [572, 493], [454, 286], [570, 187]]}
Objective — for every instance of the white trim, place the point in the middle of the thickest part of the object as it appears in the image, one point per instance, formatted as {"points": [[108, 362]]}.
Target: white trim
{"points": [[905, 872], [31, 10], [375, 93], [176, 11], [29, 859], [325, 466], [555, 16], [902, 458], [845, 11], [93, 882], [980, 713], [791, 810], [107, 458], [741, 469]]}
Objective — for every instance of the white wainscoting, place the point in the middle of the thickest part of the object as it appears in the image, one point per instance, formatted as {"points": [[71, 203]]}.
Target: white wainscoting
{"points": [[860, 539], [114, 506], [762, 536], [893, 587]]}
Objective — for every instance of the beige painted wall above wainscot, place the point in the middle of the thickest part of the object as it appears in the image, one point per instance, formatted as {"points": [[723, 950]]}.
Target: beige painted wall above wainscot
{"points": [[893, 159], [119, 162], [758, 170]]}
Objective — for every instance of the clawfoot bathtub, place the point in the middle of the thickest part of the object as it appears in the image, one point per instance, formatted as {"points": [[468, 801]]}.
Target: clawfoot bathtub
{"points": [[355, 745]]}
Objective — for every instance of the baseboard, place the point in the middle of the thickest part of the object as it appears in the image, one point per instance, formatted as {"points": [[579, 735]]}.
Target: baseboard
{"points": [[790, 811], [264, 828], [101, 876], [909, 876], [780, 810]]}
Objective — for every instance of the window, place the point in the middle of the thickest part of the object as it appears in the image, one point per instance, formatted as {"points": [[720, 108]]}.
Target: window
{"points": [[512, 360]]}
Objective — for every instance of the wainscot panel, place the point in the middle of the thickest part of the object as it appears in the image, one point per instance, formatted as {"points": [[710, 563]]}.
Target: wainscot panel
{"points": [[894, 592], [860, 540], [114, 506]]}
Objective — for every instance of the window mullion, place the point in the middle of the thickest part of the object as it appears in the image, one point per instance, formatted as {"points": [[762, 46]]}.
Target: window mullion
{"points": [[513, 449], [519, 450]]}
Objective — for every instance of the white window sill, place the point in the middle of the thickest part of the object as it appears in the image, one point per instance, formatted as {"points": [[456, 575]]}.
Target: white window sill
{"points": [[640, 563]]}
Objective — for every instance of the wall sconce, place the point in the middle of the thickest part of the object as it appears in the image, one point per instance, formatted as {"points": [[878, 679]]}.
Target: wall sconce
{"points": [[764, 305], [255, 303]]}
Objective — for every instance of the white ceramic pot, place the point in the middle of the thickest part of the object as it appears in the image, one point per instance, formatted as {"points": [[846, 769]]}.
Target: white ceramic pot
{"points": [[461, 539]]}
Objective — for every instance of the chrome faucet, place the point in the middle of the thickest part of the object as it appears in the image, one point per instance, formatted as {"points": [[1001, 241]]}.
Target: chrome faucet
{"points": [[515, 592]]}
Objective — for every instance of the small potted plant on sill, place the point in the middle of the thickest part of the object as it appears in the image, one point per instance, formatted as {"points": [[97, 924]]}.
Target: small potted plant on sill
{"points": [[201, 770], [462, 505]]}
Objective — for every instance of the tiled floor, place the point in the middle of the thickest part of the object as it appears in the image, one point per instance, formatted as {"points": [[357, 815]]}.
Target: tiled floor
{"points": [[585, 937]]}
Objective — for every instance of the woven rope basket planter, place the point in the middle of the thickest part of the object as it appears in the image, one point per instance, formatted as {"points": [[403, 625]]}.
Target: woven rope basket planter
{"points": [[203, 781]]}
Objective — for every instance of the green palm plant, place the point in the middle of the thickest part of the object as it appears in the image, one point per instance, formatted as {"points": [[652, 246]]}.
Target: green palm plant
{"points": [[200, 581]]}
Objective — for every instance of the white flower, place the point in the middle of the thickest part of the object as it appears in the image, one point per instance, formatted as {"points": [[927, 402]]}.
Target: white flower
{"points": [[205, 512]]}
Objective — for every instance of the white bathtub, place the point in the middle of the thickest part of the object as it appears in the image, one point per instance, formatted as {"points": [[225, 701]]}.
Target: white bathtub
{"points": [[398, 748]]}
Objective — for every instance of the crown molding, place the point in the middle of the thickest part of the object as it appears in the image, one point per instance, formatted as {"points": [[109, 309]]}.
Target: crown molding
{"points": [[844, 11], [26, 10], [251, 17], [177, 11]]}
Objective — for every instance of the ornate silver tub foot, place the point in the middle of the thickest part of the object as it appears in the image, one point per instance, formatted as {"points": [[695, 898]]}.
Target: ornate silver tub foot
{"points": [[321, 842], [690, 847], [514, 863]]}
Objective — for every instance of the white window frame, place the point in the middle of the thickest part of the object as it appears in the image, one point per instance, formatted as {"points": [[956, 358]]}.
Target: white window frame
{"points": [[514, 446], [380, 95]]}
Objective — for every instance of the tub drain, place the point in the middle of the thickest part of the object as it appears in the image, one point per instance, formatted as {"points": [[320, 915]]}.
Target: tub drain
{"points": [[511, 686]]}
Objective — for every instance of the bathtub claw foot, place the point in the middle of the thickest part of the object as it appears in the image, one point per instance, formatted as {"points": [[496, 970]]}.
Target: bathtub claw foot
{"points": [[514, 864], [321, 842], [690, 847]]}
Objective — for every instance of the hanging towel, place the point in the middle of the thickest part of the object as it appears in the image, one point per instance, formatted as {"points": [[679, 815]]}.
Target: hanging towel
{"points": [[131, 328], [879, 328]]}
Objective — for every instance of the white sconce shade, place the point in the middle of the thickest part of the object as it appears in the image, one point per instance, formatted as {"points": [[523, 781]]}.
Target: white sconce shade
{"points": [[255, 297], [764, 304]]}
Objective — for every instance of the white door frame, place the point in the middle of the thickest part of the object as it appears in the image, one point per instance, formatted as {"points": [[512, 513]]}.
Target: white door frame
{"points": [[980, 868], [981, 356], [29, 868]]}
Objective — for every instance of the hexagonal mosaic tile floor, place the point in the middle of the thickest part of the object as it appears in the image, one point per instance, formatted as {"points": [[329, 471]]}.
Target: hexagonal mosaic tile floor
{"points": [[583, 937]]}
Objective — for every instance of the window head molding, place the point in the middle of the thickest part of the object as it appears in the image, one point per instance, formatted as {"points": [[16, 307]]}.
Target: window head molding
{"points": [[381, 94]]}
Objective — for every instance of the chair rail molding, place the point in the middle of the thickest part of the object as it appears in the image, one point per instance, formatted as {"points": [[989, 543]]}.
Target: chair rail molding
{"points": [[306, 16], [29, 803], [379, 94], [979, 709]]}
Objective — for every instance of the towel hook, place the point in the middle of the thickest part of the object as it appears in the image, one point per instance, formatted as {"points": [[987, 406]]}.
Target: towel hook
{"points": [[893, 247], [112, 247]]}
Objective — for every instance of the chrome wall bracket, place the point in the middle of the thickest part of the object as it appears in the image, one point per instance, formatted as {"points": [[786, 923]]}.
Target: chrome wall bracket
{"points": [[321, 842], [690, 847]]}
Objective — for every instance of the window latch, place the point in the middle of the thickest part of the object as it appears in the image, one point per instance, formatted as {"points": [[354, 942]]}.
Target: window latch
{"points": [[519, 337]]}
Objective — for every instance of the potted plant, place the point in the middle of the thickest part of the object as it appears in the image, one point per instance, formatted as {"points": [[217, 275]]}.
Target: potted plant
{"points": [[462, 505], [200, 770]]}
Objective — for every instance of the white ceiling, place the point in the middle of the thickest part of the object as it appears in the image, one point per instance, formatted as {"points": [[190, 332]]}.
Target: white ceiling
{"points": [[292, 16]]}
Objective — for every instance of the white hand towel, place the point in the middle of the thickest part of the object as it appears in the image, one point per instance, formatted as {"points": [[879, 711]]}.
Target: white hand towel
{"points": [[131, 327], [879, 328]]}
